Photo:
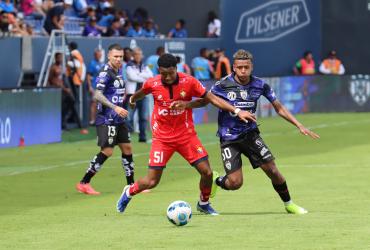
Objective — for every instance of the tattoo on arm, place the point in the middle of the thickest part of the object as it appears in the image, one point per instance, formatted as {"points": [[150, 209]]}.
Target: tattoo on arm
{"points": [[103, 100]]}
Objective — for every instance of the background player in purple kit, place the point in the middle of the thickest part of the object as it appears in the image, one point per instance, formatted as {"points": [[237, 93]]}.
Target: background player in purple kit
{"points": [[242, 90], [111, 129]]}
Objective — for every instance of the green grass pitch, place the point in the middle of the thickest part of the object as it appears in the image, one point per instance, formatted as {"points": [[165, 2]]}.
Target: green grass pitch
{"points": [[330, 177]]}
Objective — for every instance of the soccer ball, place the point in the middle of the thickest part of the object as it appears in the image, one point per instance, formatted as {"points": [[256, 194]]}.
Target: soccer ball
{"points": [[179, 213]]}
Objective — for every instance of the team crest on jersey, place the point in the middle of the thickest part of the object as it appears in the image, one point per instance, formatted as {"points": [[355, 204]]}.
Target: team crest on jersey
{"points": [[183, 93], [200, 149], [118, 83], [231, 96], [244, 94], [228, 165], [160, 97]]}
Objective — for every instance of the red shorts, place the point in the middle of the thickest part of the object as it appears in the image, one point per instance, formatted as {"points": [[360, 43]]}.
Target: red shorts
{"points": [[190, 148]]}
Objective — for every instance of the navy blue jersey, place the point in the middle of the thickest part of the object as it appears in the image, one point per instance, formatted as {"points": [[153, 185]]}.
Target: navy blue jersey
{"points": [[245, 97], [113, 87]]}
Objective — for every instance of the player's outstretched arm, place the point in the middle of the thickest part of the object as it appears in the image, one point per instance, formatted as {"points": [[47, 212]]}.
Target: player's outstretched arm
{"points": [[181, 105], [284, 112], [99, 96], [220, 103], [140, 94]]}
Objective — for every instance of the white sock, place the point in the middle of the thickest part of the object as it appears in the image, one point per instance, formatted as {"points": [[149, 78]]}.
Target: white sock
{"points": [[128, 193], [288, 203], [203, 202]]}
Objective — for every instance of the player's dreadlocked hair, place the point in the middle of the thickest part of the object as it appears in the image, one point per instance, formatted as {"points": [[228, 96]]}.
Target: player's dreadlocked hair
{"points": [[242, 55], [115, 46], [167, 61]]}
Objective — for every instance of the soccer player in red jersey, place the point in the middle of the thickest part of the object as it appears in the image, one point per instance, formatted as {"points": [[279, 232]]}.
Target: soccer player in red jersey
{"points": [[173, 130]]}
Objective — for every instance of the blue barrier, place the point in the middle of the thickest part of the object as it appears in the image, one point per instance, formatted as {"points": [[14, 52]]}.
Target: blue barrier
{"points": [[30, 116]]}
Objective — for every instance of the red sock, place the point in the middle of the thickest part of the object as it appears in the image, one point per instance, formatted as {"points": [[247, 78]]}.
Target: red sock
{"points": [[205, 192], [134, 189]]}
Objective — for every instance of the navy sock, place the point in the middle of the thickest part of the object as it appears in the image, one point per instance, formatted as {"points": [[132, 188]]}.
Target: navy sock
{"points": [[128, 165], [94, 167], [282, 190]]}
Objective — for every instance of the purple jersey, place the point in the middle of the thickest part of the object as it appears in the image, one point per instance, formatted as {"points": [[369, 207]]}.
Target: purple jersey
{"points": [[113, 87], [245, 97]]}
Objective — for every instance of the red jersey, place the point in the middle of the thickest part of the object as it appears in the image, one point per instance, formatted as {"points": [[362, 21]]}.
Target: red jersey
{"points": [[170, 125]]}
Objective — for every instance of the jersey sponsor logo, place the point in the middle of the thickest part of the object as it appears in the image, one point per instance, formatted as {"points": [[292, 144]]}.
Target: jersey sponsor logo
{"points": [[120, 91], [259, 143], [100, 85], [264, 150], [244, 104], [244, 95], [272, 21], [155, 126], [231, 96], [102, 74], [165, 112], [117, 99], [266, 156]]}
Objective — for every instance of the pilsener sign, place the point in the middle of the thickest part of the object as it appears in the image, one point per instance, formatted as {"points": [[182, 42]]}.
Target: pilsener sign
{"points": [[271, 21]]}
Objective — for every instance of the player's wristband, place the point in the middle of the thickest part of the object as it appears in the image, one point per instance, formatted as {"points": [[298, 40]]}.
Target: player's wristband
{"points": [[237, 110]]}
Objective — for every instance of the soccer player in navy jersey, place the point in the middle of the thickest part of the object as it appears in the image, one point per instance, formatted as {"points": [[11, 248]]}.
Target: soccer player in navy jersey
{"points": [[242, 90], [111, 129]]}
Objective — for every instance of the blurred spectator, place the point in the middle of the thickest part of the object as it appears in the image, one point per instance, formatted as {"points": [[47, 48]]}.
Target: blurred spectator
{"points": [[103, 4], [92, 72], [332, 65], [305, 65], [149, 30], [122, 16], [31, 8], [214, 25], [92, 29], [7, 6], [137, 74], [179, 31], [76, 68], [115, 29], [56, 79], [135, 31], [80, 7], [141, 15], [182, 66], [127, 26], [55, 16], [201, 66], [127, 57], [107, 17], [90, 13], [152, 60], [4, 22], [223, 66], [19, 28]]}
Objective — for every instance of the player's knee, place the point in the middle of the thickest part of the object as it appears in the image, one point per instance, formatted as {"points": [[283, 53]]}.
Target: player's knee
{"points": [[207, 173], [235, 183], [107, 152]]}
